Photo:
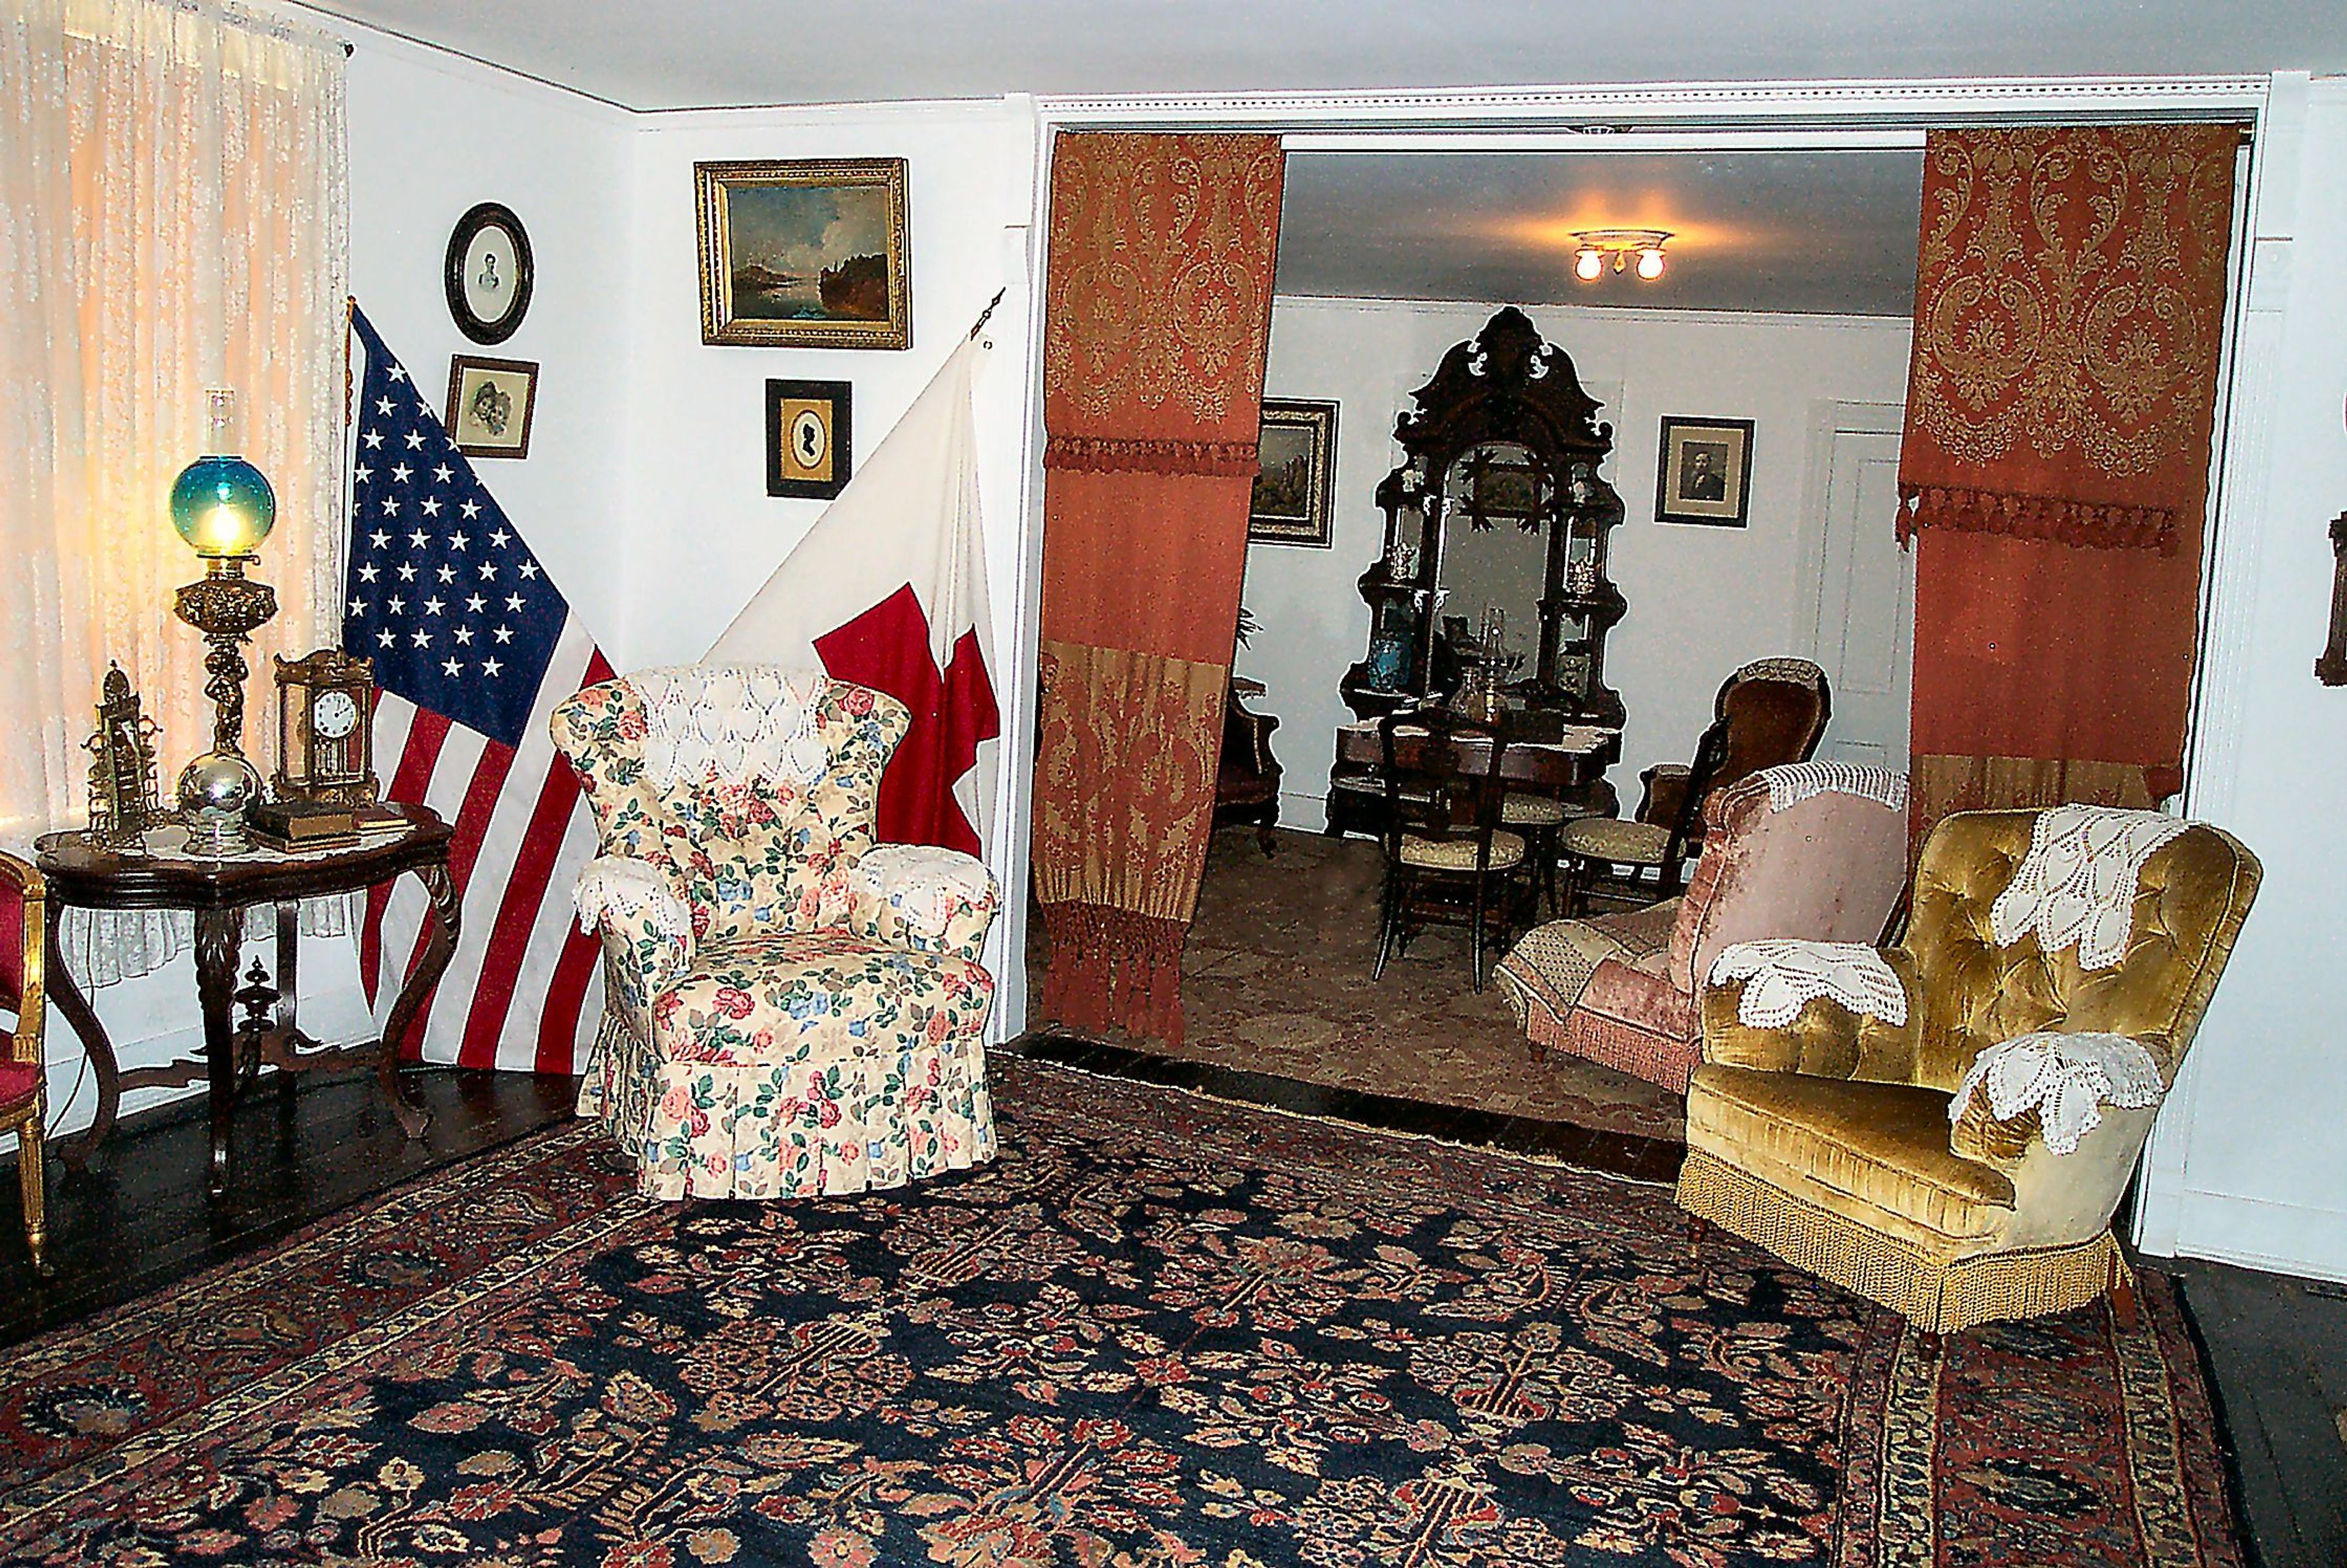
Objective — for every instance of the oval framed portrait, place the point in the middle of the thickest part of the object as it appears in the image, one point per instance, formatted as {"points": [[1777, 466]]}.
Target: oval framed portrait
{"points": [[488, 272]]}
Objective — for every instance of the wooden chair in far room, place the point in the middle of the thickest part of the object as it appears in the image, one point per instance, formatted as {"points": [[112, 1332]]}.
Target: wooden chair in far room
{"points": [[1247, 779], [1639, 863], [24, 1094], [1447, 860], [1776, 710]]}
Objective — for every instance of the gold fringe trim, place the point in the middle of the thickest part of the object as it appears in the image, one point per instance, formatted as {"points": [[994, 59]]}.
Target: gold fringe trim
{"points": [[1937, 1295]]}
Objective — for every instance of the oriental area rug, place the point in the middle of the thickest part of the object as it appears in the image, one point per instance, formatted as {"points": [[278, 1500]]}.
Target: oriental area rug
{"points": [[1158, 1331]]}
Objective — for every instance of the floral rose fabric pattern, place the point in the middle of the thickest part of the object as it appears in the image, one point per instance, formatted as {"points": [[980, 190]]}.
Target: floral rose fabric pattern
{"points": [[808, 1039]]}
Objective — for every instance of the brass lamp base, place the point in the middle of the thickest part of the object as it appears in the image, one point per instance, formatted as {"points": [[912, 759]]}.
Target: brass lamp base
{"points": [[219, 789]]}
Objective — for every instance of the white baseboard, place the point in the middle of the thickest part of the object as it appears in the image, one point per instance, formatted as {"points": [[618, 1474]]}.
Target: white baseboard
{"points": [[2258, 1233]]}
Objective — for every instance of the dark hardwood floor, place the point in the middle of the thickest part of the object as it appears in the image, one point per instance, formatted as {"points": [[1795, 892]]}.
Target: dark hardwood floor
{"points": [[2278, 1346], [138, 1219], [1614, 1154]]}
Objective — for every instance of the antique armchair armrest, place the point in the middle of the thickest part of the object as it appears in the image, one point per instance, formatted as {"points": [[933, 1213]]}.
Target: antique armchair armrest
{"points": [[1825, 1038], [1979, 1133], [644, 917], [923, 899]]}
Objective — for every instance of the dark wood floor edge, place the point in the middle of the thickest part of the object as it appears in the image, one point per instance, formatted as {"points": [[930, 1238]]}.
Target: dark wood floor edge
{"points": [[1615, 1156], [105, 1307], [2228, 1450]]}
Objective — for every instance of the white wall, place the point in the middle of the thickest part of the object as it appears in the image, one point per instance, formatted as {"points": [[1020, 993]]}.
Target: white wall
{"points": [[2249, 1158], [697, 535], [1702, 600], [700, 535]]}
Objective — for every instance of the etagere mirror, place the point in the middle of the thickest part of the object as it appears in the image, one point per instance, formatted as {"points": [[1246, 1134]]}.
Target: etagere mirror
{"points": [[1495, 547]]}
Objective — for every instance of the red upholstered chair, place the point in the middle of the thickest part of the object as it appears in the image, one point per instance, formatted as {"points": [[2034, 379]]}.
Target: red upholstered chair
{"points": [[24, 1097], [1827, 865]]}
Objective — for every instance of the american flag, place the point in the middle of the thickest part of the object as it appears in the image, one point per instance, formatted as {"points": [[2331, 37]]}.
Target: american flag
{"points": [[473, 647]]}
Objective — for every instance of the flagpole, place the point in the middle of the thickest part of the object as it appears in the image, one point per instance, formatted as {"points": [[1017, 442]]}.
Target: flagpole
{"points": [[987, 314]]}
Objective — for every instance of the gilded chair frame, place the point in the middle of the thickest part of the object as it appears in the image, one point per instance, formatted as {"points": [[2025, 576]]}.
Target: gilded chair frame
{"points": [[28, 1120]]}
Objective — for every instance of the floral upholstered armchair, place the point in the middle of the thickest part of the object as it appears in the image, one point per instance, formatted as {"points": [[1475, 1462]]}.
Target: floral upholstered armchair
{"points": [[793, 1009], [1946, 1126]]}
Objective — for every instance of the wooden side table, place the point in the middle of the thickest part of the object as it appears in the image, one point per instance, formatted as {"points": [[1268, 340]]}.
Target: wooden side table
{"points": [[218, 892]]}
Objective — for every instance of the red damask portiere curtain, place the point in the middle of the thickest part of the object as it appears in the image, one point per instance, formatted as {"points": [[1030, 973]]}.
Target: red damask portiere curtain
{"points": [[2061, 399], [1156, 316]]}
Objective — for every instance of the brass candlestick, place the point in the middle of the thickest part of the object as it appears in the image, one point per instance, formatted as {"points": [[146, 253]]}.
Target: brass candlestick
{"points": [[220, 787]]}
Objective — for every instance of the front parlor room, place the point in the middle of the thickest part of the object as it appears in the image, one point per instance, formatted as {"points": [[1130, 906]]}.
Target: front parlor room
{"points": [[1173, 784]]}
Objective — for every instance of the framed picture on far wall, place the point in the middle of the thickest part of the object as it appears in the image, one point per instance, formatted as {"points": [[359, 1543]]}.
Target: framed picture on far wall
{"points": [[1706, 472], [490, 402], [807, 438], [803, 253], [1295, 481]]}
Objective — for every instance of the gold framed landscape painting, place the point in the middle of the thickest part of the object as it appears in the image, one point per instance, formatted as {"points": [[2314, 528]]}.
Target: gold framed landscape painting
{"points": [[803, 253], [1295, 480]]}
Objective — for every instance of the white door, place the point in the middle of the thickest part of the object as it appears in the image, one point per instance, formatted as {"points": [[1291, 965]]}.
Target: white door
{"points": [[1859, 584]]}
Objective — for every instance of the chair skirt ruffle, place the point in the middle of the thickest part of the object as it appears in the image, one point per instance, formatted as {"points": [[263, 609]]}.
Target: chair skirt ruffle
{"points": [[879, 1117]]}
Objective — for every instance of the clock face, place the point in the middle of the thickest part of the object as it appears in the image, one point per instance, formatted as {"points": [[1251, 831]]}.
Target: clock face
{"points": [[334, 716]]}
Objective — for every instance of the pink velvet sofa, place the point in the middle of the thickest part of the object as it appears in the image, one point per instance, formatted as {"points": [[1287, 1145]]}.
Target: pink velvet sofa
{"points": [[1812, 850]]}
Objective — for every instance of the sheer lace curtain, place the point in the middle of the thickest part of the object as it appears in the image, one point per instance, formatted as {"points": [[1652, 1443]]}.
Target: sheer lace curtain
{"points": [[173, 216]]}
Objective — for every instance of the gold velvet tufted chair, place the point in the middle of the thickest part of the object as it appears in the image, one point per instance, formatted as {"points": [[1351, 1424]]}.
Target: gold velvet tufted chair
{"points": [[1829, 1142]]}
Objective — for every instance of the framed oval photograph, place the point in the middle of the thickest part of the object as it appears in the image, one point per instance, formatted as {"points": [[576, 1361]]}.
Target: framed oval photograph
{"points": [[489, 272]]}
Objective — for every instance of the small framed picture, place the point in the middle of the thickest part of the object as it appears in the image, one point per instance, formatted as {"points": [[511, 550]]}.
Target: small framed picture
{"points": [[490, 402], [1706, 472], [809, 453], [803, 253], [1297, 474], [489, 274]]}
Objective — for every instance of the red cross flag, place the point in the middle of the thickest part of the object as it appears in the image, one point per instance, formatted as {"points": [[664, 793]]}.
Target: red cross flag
{"points": [[888, 591]]}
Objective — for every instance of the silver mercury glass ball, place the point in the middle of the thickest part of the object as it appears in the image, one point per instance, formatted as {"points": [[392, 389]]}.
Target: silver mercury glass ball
{"points": [[215, 790]]}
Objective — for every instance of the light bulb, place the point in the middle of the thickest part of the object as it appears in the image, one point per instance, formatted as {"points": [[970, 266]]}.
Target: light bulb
{"points": [[1650, 263], [1588, 265]]}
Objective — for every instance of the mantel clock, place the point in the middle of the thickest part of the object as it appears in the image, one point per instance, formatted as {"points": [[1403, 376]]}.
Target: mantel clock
{"points": [[325, 753]]}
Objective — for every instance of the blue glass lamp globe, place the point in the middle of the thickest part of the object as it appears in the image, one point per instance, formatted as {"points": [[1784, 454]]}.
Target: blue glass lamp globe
{"points": [[223, 506]]}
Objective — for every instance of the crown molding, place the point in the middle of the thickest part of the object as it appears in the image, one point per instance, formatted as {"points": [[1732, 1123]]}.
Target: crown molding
{"points": [[1599, 111]]}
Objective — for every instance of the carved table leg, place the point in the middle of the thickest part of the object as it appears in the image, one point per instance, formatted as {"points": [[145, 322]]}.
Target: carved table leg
{"points": [[95, 1045], [289, 984], [446, 910], [219, 936]]}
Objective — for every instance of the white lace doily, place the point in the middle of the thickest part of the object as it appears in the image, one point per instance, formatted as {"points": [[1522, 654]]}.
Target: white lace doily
{"points": [[1793, 783], [2078, 882], [924, 881], [630, 888], [2067, 1078], [738, 724], [1782, 976]]}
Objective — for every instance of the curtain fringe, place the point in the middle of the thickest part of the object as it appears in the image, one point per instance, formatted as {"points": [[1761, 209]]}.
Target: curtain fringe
{"points": [[2087, 525], [1112, 967], [1115, 454]]}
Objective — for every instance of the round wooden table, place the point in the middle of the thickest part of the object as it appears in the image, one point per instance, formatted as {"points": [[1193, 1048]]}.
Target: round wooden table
{"points": [[218, 892]]}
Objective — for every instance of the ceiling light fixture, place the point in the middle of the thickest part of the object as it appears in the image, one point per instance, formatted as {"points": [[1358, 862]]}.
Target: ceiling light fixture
{"points": [[1594, 248]]}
